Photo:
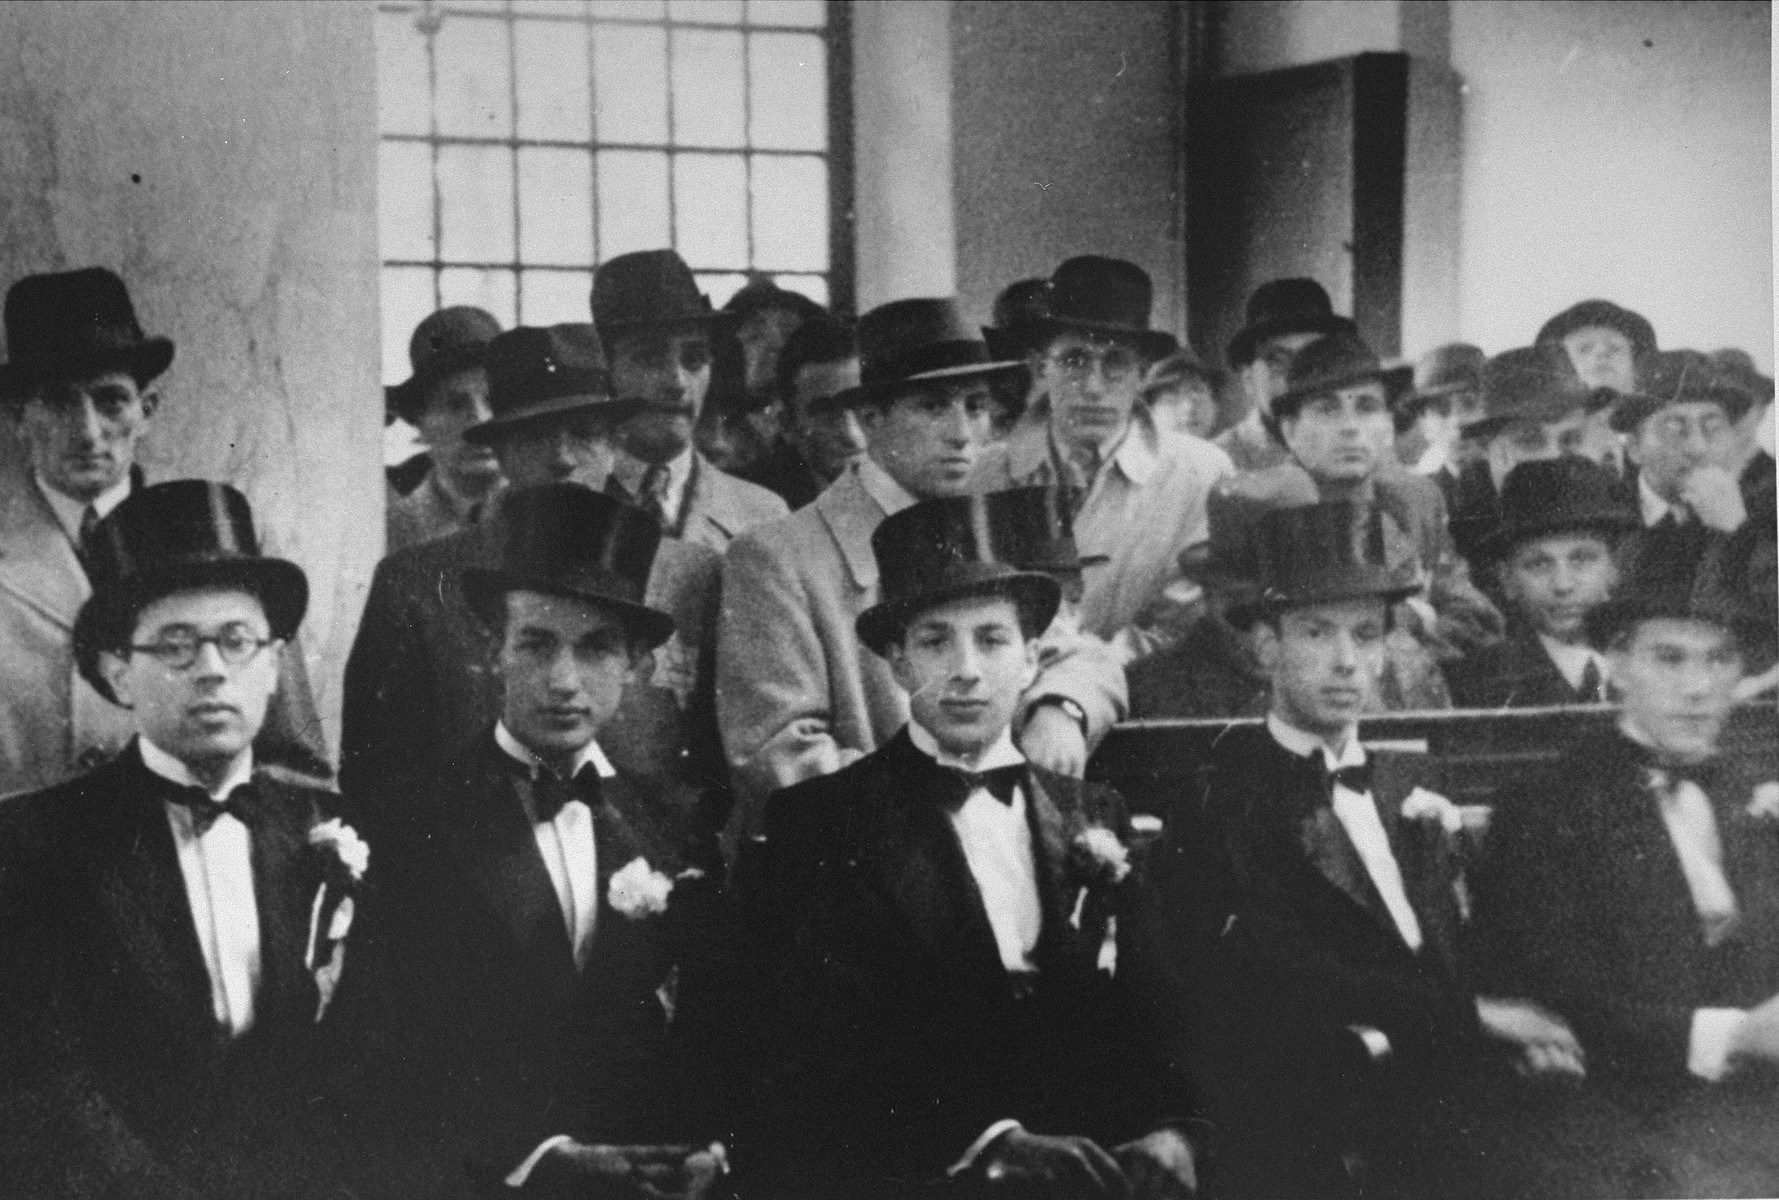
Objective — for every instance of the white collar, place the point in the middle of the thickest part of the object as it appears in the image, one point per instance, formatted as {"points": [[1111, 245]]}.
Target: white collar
{"points": [[522, 754], [1304, 744], [882, 487], [69, 511], [1655, 506], [1572, 659], [173, 770], [1136, 454], [1001, 753], [629, 469]]}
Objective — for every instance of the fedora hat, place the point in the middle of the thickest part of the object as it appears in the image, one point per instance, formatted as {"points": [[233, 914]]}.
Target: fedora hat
{"points": [[1558, 495], [1017, 310], [563, 539], [1447, 370], [444, 343], [1340, 360], [1738, 366], [73, 324], [1320, 554], [1682, 572], [1590, 313], [1036, 525], [174, 537], [1283, 306], [1680, 377], [537, 374], [1532, 383], [762, 294], [647, 288], [917, 341], [1105, 296], [949, 549]]}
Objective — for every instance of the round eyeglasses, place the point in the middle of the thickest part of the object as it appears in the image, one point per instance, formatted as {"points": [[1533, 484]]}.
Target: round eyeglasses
{"points": [[177, 649]]}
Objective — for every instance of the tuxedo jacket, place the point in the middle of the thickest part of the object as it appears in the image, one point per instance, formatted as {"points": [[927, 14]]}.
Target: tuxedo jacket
{"points": [[1514, 673], [116, 1078]]}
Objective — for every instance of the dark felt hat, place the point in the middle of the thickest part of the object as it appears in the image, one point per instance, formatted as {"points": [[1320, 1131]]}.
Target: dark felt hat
{"points": [[762, 294], [1037, 526], [1105, 296], [73, 324], [1320, 554], [1340, 360], [541, 374], [563, 539], [647, 288], [446, 342], [1738, 366], [173, 537], [1680, 377], [1017, 310], [1590, 313], [916, 341], [949, 549], [1283, 306], [1680, 573], [1533, 383], [1558, 495], [1447, 370]]}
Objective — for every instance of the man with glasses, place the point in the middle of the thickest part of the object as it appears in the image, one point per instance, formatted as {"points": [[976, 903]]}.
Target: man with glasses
{"points": [[1283, 317]]}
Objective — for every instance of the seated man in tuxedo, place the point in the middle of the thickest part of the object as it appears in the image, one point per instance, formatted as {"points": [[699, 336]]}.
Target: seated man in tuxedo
{"points": [[961, 1000], [174, 977], [1321, 880], [1555, 555], [546, 915]]}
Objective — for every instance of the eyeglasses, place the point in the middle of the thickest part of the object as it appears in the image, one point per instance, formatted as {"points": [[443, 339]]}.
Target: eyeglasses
{"points": [[177, 649], [1115, 363]]}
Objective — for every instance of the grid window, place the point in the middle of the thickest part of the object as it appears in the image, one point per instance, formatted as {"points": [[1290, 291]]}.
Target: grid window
{"points": [[525, 141]]}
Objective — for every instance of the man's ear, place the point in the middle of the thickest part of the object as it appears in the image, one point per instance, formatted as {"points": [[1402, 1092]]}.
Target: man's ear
{"points": [[151, 400], [1266, 646], [897, 657], [114, 667]]}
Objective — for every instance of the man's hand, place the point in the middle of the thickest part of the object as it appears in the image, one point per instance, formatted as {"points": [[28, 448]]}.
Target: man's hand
{"points": [[1030, 1164], [1758, 1038], [1160, 1166], [1715, 496], [1546, 1044], [628, 1172], [1051, 739]]}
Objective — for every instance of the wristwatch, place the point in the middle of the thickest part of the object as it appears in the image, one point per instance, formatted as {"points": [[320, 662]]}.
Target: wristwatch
{"points": [[1075, 712]]}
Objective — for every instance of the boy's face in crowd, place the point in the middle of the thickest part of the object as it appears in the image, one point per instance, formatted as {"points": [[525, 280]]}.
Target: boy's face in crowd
{"points": [[1677, 681], [453, 404], [572, 448], [1677, 440], [565, 663], [668, 370], [210, 711], [1325, 661], [81, 435], [1342, 435], [829, 439], [1187, 407], [1555, 581], [929, 437], [1265, 379], [964, 665], [1093, 383], [1603, 358]]}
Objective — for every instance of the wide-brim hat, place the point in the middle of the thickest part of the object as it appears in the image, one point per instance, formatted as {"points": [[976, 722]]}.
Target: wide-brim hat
{"points": [[75, 324], [562, 539], [446, 342], [1680, 377], [1738, 367], [1313, 554], [1016, 310], [946, 549], [646, 289], [1284, 306], [174, 537], [1683, 572], [1532, 383], [539, 375], [1441, 373], [923, 340], [1558, 495], [1604, 313], [1339, 360], [1108, 297]]}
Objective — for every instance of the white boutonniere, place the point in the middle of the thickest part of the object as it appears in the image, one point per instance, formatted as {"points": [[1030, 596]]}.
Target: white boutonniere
{"points": [[1765, 804], [347, 846], [332, 911], [1423, 805], [1106, 858], [638, 890]]}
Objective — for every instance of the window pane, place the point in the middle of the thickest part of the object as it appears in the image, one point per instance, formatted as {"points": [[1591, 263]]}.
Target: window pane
{"points": [[788, 74], [790, 213], [632, 202], [492, 290], [707, 88], [404, 299], [724, 12], [552, 63], [404, 200], [555, 297], [710, 210], [813, 286], [476, 203], [630, 82], [474, 80], [404, 89], [559, 8], [719, 287], [812, 14], [629, 10], [556, 207]]}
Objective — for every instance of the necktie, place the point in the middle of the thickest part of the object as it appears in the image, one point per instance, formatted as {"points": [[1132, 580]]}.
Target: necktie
{"points": [[205, 809], [652, 493], [549, 792], [89, 521], [999, 782], [1593, 685]]}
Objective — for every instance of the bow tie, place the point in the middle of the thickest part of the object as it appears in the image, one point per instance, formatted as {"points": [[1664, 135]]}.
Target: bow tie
{"points": [[205, 809], [549, 791], [1702, 775], [959, 785], [1354, 779]]}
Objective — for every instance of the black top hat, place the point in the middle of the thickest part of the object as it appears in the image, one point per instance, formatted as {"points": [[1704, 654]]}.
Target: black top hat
{"points": [[1533, 383], [74, 324], [563, 539], [1680, 377], [1107, 296], [1321, 554], [1036, 525], [1636, 328], [1340, 360], [175, 537], [649, 287], [949, 549], [536, 374], [1558, 495], [914, 341], [1677, 572], [1283, 306], [446, 342], [1017, 309]]}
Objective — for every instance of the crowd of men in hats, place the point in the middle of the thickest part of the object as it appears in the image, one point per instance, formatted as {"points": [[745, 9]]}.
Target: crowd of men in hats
{"points": [[712, 813]]}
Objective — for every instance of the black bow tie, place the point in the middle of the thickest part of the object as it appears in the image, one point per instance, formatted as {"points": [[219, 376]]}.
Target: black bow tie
{"points": [[955, 785], [205, 809], [1702, 775], [549, 791], [1354, 779]]}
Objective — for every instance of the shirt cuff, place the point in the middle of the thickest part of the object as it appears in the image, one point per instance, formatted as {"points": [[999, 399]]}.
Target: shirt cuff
{"points": [[988, 1135], [523, 1171], [1708, 1049]]}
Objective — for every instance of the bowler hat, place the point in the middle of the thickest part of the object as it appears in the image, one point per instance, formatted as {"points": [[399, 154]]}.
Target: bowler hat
{"points": [[916, 341], [1283, 306], [174, 537], [1106, 296], [444, 343], [1037, 527], [1017, 311], [1677, 572], [1533, 383], [1340, 360], [1321, 554], [647, 288], [1557, 495], [537, 374], [1680, 377], [563, 539], [73, 324], [1590, 313], [950, 549]]}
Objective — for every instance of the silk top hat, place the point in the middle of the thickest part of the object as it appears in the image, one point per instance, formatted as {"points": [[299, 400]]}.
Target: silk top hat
{"points": [[1590, 313], [1284, 306], [1328, 364], [446, 342], [538, 374], [562, 539], [1680, 377], [917, 341], [175, 537], [1105, 296], [1677, 572], [1017, 310], [1321, 554], [647, 288], [1558, 495], [1534, 383], [74, 324], [1037, 526], [949, 549]]}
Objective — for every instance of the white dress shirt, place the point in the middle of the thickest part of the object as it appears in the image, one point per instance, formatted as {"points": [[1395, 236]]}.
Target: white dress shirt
{"points": [[1358, 815], [630, 472], [218, 869], [1571, 660], [69, 511]]}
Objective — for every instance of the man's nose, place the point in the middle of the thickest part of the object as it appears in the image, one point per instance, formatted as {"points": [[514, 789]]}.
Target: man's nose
{"points": [[563, 677], [1346, 654], [966, 663], [957, 425], [1562, 580], [208, 666], [84, 421], [852, 434]]}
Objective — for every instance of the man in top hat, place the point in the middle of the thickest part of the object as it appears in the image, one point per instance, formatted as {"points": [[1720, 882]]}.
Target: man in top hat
{"points": [[547, 906], [79, 386], [446, 393], [1140, 490], [174, 965], [1431, 419], [964, 997], [1320, 875], [1681, 436], [1638, 894], [656, 325], [818, 437], [1283, 316], [797, 695], [416, 682]]}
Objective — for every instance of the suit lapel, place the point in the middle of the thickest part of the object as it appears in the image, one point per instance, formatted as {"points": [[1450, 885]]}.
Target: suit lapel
{"points": [[286, 876], [851, 516], [499, 850], [38, 566], [1056, 822], [1427, 871]]}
